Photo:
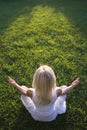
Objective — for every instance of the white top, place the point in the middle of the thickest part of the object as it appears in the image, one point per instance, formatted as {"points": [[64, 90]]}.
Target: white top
{"points": [[44, 112]]}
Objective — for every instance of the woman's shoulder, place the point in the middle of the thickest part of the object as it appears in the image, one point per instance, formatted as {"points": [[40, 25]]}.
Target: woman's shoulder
{"points": [[30, 92], [58, 91], [32, 89]]}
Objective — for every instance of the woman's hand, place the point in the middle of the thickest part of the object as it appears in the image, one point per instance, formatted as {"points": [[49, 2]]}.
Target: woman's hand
{"points": [[75, 82], [11, 81]]}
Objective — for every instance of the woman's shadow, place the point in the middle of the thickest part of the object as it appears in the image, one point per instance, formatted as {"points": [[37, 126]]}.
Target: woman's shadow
{"points": [[24, 121]]}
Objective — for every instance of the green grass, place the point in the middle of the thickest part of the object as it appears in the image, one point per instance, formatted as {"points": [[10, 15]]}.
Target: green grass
{"points": [[33, 33]]}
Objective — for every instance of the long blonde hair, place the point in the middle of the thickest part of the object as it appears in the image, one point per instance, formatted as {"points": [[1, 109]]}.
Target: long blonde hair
{"points": [[44, 82]]}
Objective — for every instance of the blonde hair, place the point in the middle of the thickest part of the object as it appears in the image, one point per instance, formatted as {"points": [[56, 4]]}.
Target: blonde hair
{"points": [[44, 82]]}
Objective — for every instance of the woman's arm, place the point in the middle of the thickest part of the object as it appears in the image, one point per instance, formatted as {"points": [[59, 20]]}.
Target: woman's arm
{"points": [[65, 90], [22, 89]]}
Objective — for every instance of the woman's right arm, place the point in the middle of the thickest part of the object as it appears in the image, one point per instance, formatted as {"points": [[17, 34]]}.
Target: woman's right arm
{"points": [[65, 90]]}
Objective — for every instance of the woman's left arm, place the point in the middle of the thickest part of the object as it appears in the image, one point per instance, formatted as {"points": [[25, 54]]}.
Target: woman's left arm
{"points": [[23, 90]]}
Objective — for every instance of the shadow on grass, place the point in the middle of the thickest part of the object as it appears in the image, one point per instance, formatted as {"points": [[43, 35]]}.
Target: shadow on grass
{"points": [[10, 10], [75, 11], [24, 121]]}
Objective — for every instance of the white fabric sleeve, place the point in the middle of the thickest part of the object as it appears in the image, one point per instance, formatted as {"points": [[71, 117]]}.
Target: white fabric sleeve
{"points": [[28, 103], [60, 104]]}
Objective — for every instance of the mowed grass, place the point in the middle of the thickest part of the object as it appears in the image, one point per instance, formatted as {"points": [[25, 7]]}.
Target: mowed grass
{"points": [[34, 33]]}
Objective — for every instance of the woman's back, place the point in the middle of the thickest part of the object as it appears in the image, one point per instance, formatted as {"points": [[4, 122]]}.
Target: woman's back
{"points": [[44, 82], [43, 112]]}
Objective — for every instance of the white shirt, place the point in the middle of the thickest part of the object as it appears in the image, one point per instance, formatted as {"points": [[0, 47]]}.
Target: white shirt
{"points": [[45, 113]]}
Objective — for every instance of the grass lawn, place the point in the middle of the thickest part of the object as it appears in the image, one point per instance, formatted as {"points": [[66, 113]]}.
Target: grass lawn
{"points": [[37, 32]]}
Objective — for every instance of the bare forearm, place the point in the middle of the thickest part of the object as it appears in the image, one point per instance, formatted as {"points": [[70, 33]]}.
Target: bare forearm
{"points": [[67, 89], [73, 84], [20, 88]]}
